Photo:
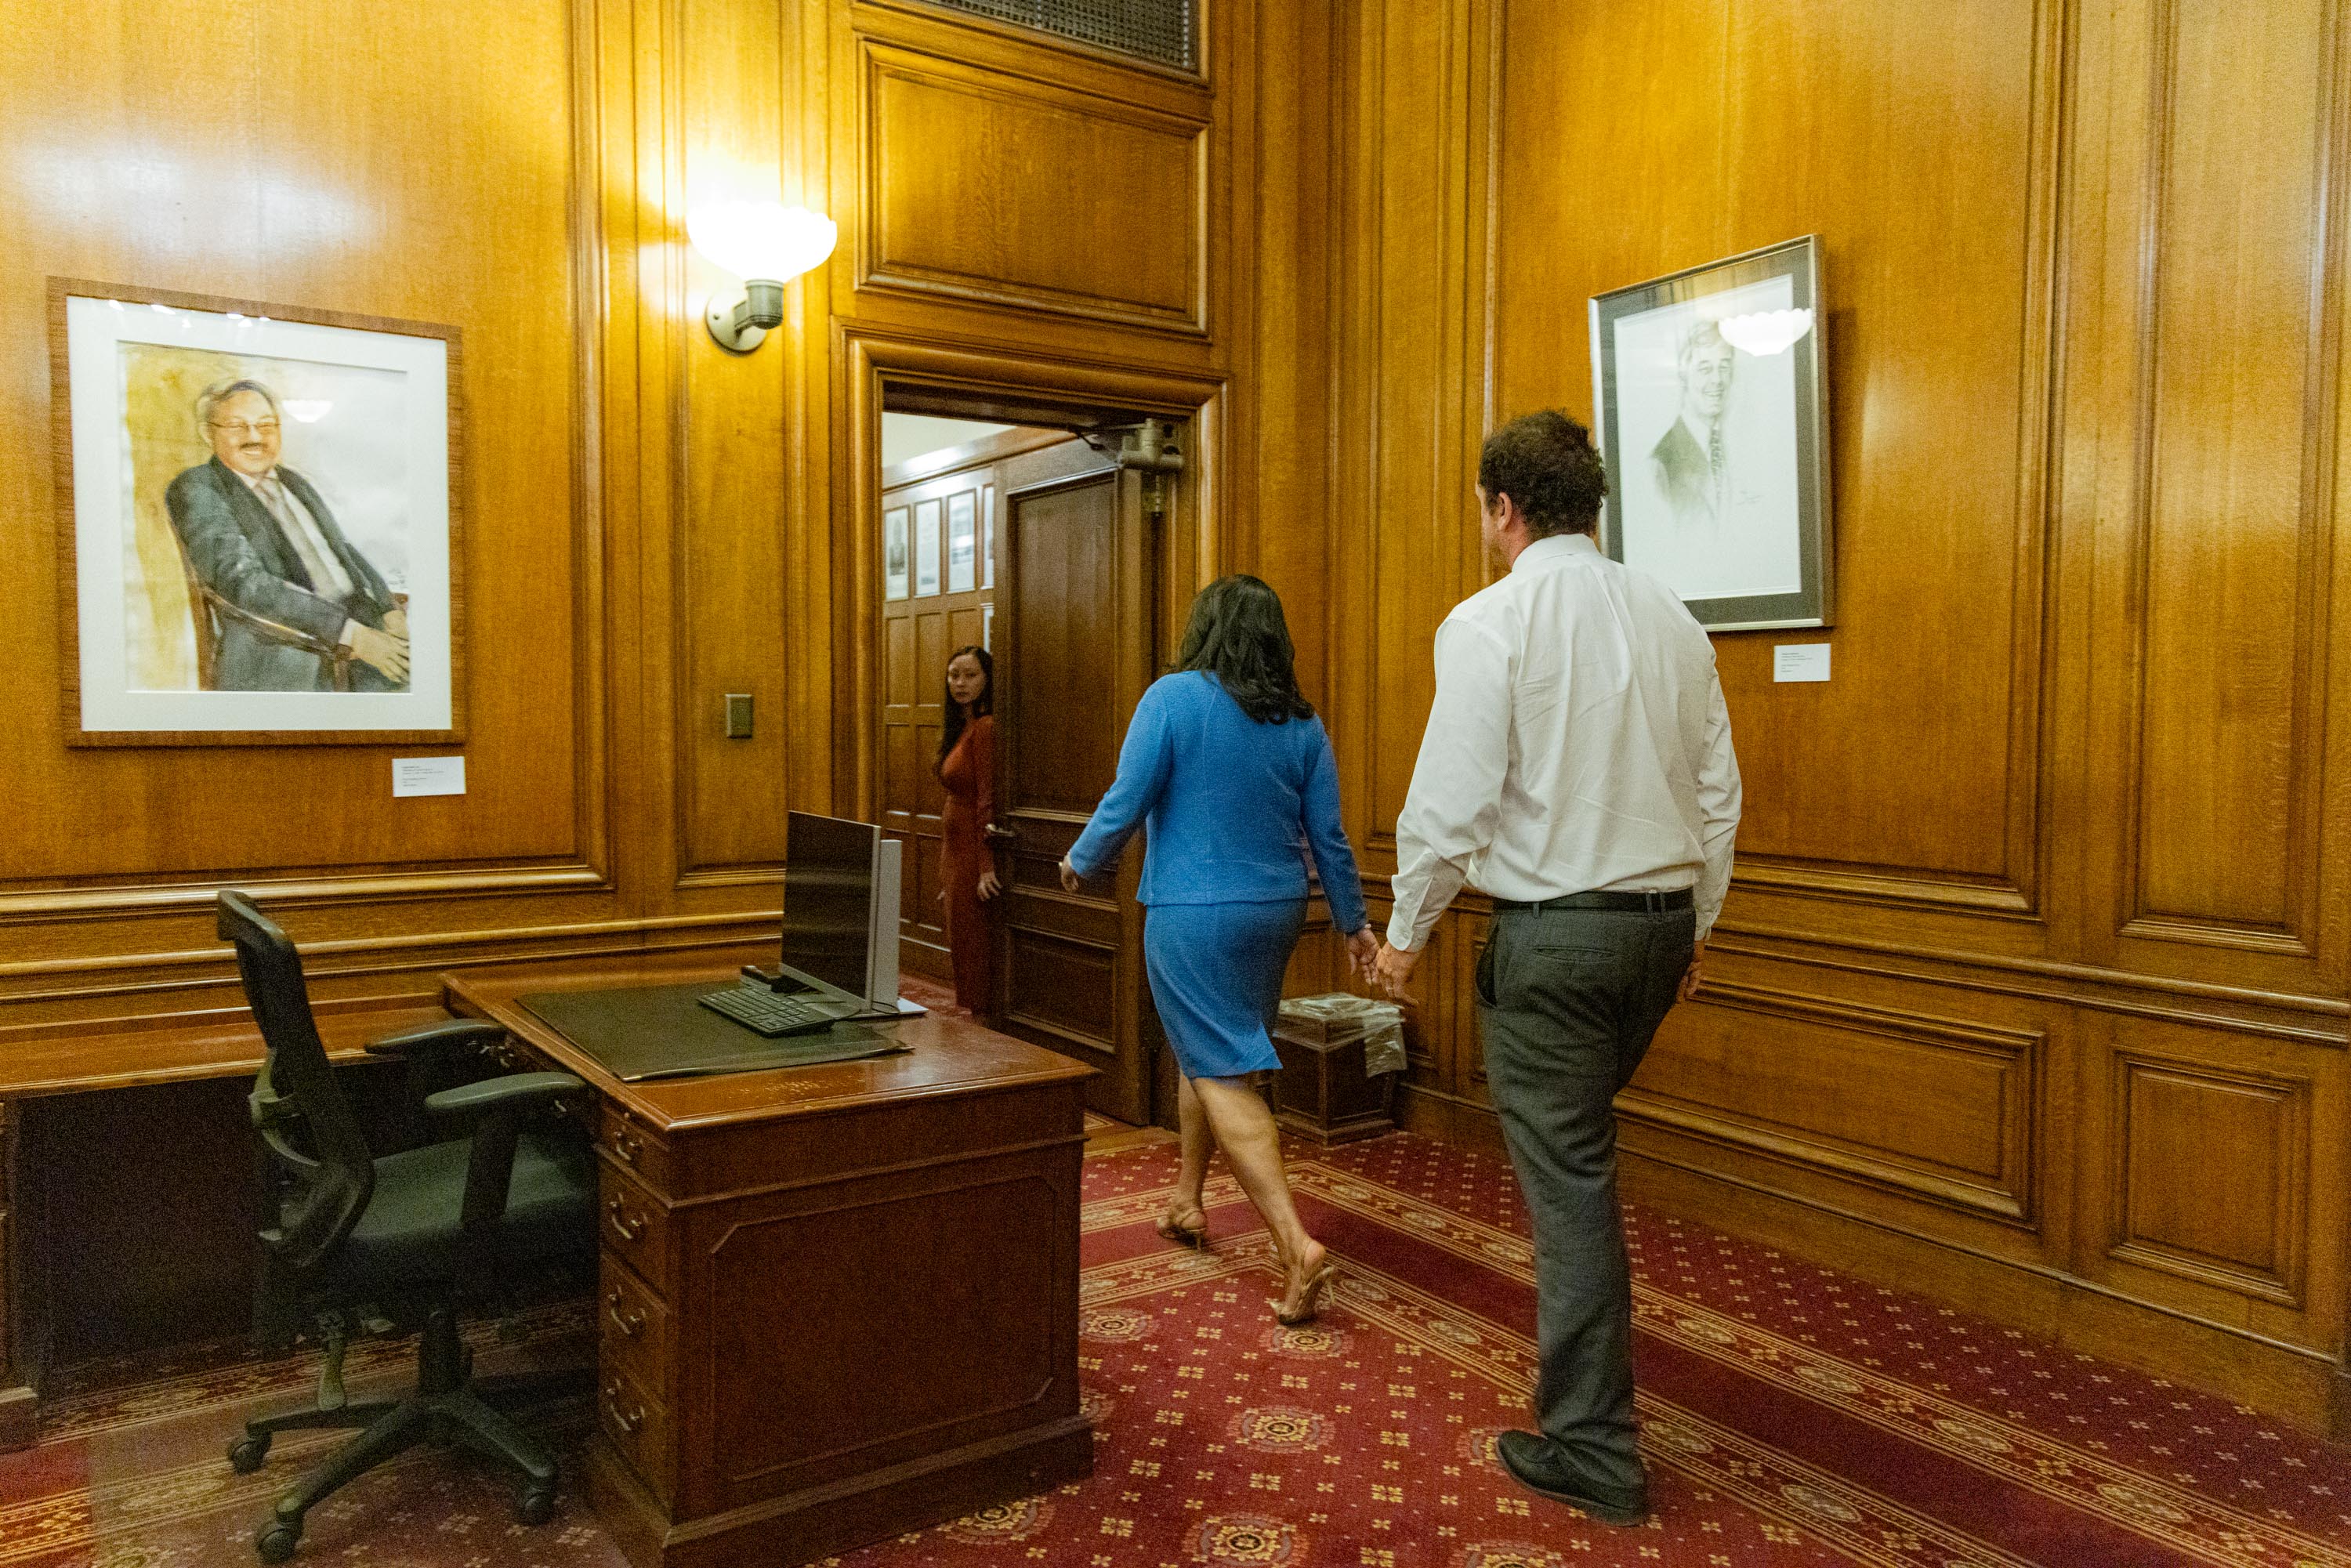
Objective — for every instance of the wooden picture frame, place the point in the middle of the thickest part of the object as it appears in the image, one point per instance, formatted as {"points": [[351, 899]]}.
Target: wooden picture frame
{"points": [[174, 559]]}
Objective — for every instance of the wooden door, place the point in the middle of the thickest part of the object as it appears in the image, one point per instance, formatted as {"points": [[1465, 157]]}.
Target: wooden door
{"points": [[1076, 640], [936, 599]]}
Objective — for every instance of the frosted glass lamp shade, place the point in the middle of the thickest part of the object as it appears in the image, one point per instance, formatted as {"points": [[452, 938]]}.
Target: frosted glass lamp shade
{"points": [[761, 239]]}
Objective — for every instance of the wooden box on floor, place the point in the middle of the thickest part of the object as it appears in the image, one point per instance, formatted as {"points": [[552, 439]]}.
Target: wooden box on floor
{"points": [[1322, 1092]]}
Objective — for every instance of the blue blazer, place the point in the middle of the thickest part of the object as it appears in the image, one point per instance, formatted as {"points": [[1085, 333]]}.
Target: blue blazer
{"points": [[1234, 806]]}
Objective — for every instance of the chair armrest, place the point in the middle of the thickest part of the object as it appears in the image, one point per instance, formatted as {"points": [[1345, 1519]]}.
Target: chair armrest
{"points": [[450, 1034], [517, 1091], [436, 1057], [499, 1102]]}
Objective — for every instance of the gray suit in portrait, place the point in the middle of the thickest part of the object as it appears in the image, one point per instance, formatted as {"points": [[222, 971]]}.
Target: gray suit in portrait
{"points": [[240, 552], [1685, 475]]}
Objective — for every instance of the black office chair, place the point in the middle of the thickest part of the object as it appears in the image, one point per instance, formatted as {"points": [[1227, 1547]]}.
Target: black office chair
{"points": [[404, 1235]]}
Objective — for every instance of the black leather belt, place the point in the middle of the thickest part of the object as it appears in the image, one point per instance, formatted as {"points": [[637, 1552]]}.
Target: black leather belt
{"points": [[1651, 903]]}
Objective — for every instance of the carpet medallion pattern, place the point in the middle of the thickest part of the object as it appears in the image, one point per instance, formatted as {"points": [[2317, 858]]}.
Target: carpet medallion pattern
{"points": [[1791, 1416]]}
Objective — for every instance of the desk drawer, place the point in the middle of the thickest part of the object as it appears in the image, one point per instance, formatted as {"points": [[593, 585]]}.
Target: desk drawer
{"points": [[635, 1228], [630, 1144], [632, 1327], [638, 1427]]}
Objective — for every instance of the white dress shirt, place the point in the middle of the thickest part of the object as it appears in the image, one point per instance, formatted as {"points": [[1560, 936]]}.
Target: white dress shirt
{"points": [[1579, 742], [328, 580]]}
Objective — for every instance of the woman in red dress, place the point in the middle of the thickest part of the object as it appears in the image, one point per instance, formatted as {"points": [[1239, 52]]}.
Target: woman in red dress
{"points": [[967, 769]]}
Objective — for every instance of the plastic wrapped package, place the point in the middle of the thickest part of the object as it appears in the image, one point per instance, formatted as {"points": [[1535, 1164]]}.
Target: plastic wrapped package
{"points": [[1337, 1018]]}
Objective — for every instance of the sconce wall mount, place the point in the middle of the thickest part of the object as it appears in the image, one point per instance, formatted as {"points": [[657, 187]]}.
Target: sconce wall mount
{"points": [[743, 326], [765, 244]]}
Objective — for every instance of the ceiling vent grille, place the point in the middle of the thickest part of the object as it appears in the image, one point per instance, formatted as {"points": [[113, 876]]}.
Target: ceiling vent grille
{"points": [[1160, 30]]}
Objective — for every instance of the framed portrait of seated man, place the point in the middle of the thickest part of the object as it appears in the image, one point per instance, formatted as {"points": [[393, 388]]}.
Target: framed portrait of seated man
{"points": [[1713, 425], [258, 521]]}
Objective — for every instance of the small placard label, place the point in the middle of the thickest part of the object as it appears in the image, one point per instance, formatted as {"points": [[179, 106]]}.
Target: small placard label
{"points": [[1799, 661], [428, 776]]}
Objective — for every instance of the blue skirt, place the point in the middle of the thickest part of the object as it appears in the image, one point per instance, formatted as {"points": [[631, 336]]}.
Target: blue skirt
{"points": [[1216, 977]]}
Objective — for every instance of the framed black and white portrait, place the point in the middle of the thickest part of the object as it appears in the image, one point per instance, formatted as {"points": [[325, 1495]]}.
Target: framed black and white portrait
{"points": [[1713, 423], [258, 521], [897, 583]]}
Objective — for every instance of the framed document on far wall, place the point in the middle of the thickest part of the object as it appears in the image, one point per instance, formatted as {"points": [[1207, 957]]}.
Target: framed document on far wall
{"points": [[963, 542], [926, 549], [895, 582], [988, 536], [1714, 428]]}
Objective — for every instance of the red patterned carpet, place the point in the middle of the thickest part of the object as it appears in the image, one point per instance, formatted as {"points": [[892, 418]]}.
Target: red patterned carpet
{"points": [[1793, 1416]]}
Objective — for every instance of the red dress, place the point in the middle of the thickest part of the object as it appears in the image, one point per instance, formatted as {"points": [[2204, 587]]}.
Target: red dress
{"points": [[969, 775]]}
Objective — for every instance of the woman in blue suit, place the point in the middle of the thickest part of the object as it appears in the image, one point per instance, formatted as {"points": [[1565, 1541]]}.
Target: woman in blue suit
{"points": [[1226, 763]]}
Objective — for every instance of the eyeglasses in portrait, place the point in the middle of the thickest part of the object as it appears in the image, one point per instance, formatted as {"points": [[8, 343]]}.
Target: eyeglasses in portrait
{"points": [[261, 538]]}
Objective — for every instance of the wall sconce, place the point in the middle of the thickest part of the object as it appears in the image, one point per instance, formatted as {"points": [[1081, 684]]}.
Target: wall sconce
{"points": [[766, 243]]}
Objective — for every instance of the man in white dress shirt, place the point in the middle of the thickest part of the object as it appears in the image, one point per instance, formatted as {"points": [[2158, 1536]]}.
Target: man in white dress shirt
{"points": [[1577, 770], [261, 537]]}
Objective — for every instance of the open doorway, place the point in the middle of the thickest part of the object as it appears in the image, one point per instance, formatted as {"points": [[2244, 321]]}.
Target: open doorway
{"points": [[1042, 542]]}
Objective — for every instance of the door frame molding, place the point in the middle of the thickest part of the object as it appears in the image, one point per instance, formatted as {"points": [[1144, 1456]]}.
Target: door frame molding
{"points": [[1194, 544]]}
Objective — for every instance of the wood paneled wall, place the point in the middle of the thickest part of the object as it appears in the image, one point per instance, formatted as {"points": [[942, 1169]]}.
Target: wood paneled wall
{"points": [[651, 523], [2032, 985]]}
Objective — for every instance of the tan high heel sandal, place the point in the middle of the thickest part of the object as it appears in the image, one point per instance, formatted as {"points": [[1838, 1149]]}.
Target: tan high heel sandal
{"points": [[1195, 1234], [1302, 1298]]}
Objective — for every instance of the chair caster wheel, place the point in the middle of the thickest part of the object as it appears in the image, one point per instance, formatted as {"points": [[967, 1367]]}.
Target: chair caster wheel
{"points": [[244, 1455], [534, 1504], [277, 1540]]}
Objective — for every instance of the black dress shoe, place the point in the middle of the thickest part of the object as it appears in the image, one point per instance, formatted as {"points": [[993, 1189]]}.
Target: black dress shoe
{"points": [[1535, 1463]]}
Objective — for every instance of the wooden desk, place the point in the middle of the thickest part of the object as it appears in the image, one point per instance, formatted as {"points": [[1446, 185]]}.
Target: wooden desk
{"points": [[836, 1303]]}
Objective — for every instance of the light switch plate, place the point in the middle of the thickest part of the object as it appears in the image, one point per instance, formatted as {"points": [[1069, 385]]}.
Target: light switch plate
{"points": [[738, 716]]}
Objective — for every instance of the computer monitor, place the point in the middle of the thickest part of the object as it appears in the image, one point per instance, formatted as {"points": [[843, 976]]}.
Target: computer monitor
{"points": [[841, 906]]}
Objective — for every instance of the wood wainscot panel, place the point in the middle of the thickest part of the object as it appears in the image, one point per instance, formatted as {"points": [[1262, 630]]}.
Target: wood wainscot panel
{"points": [[2212, 1173], [1935, 1108], [986, 185], [2223, 813], [2212, 1176], [2214, 628]]}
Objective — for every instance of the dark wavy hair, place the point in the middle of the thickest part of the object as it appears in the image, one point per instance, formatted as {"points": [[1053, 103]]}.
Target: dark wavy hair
{"points": [[1238, 635], [1546, 462], [952, 711]]}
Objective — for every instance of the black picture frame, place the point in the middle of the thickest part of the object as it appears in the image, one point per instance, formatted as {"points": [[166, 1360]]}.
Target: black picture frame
{"points": [[1737, 520]]}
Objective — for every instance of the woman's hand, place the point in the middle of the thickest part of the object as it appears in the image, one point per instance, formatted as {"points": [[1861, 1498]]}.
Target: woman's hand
{"points": [[988, 887], [1362, 952], [1070, 881]]}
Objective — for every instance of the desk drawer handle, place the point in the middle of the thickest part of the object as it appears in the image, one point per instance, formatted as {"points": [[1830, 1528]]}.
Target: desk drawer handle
{"points": [[630, 1226], [626, 1148], [627, 1421], [629, 1324]]}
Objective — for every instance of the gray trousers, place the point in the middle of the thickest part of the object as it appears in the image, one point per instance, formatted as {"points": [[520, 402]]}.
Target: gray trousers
{"points": [[1569, 1000]]}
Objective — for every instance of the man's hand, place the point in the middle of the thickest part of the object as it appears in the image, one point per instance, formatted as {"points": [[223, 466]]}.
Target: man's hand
{"points": [[1070, 881], [1392, 970], [1363, 952], [384, 651], [1690, 976], [988, 887], [396, 623]]}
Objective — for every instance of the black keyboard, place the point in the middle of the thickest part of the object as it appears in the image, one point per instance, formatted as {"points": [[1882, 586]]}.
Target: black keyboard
{"points": [[769, 1015]]}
